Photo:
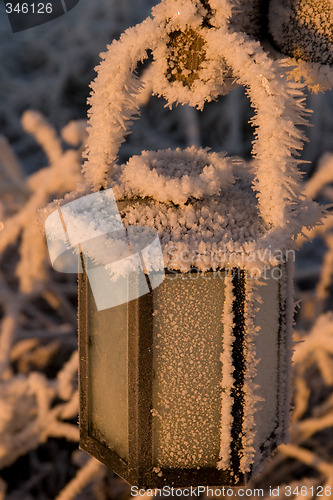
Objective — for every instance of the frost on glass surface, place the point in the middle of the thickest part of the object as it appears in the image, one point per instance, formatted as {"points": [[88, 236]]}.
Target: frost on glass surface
{"points": [[268, 350], [195, 373], [188, 336], [108, 380]]}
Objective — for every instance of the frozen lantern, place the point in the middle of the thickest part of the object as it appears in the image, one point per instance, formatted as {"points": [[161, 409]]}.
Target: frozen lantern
{"points": [[189, 384]]}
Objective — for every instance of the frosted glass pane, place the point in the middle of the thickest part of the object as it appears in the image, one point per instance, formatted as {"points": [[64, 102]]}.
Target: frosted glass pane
{"points": [[187, 371], [108, 379], [267, 370]]}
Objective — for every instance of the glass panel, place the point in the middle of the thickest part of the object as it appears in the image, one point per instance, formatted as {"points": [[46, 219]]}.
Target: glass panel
{"points": [[268, 351], [108, 380], [188, 311]]}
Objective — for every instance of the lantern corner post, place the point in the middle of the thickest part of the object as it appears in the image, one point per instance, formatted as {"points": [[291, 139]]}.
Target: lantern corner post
{"points": [[83, 358], [140, 383]]}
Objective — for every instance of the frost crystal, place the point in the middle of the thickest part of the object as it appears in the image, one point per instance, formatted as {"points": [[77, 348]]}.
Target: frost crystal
{"points": [[303, 29], [299, 29]]}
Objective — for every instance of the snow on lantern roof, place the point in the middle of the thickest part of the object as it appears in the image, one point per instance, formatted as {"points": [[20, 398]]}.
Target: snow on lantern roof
{"points": [[196, 211], [202, 206], [176, 176]]}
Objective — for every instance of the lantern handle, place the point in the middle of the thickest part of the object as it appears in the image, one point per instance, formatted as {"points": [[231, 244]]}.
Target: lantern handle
{"points": [[114, 101], [278, 104]]}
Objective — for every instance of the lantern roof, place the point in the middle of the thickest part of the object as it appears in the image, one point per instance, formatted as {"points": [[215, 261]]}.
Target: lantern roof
{"points": [[203, 208]]}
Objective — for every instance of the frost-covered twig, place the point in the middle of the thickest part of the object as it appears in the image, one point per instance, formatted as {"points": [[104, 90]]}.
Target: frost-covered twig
{"points": [[62, 176], [9, 163], [322, 176], [87, 474], [326, 277], [308, 458]]}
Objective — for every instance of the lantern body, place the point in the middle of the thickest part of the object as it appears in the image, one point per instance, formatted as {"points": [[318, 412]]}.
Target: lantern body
{"points": [[188, 384], [164, 381]]}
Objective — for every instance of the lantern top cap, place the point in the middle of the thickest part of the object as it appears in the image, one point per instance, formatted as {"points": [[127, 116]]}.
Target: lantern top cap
{"points": [[175, 176]]}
